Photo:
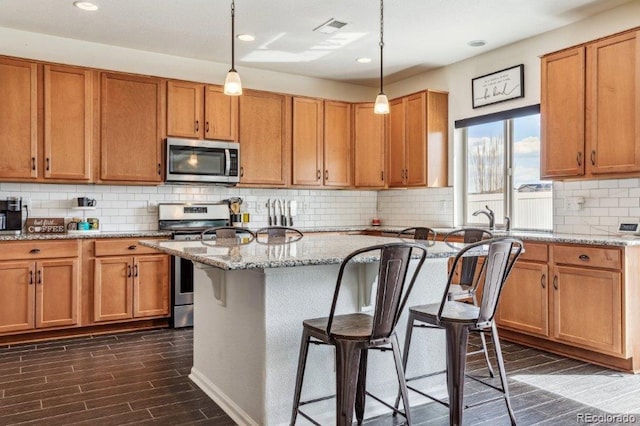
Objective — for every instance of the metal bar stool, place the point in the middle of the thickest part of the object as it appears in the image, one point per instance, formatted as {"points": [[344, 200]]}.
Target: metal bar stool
{"points": [[458, 319], [419, 233], [354, 334], [228, 232], [280, 233]]}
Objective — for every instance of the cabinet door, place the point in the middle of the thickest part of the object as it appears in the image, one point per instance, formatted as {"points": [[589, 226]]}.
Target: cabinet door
{"points": [[221, 115], [613, 104], [368, 147], [524, 300], [396, 151], [56, 293], [562, 114], [437, 139], [18, 295], [337, 144], [307, 140], [264, 138], [18, 119], [151, 286], [415, 122], [113, 288], [131, 128], [184, 109], [68, 122], [587, 309]]}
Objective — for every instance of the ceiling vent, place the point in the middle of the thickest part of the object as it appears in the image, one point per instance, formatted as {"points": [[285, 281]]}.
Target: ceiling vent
{"points": [[330, 27]]}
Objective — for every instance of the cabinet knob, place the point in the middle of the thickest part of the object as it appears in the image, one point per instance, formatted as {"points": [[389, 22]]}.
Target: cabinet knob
{"points": [[584, 257], [34, 251]]}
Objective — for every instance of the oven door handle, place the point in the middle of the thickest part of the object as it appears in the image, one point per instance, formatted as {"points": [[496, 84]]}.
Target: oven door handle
{"points": [[227, 166]]}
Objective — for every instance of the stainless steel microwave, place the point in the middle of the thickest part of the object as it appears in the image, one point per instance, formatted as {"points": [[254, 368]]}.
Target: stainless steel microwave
{"points": [[190, 160]]}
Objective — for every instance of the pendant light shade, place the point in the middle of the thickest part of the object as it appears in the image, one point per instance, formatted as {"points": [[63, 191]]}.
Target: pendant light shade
{"points": [[232, 84], [382, 103]]}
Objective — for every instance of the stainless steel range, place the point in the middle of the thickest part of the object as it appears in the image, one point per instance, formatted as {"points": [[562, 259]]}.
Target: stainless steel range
{"points": [[187, 221]]}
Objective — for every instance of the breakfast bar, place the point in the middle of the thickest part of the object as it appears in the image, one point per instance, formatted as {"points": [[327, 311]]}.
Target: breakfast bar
{"points": [[250, 301]]}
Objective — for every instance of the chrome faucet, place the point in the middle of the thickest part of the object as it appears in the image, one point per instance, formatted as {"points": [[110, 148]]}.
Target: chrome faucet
{"points": [[488, 213], [507, 223]]}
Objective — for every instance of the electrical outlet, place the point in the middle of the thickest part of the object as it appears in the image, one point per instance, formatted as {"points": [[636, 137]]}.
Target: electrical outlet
{"points": [[152, 206]]}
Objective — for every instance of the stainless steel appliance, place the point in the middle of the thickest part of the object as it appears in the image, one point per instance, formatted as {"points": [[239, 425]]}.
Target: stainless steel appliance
{"points": [[191, 160], [187, 221], [11, 215]]}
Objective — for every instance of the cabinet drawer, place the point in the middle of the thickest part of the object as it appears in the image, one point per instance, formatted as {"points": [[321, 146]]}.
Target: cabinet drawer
{"points": [[121, 247], [536, 252], [596, 257], [38, 249]]}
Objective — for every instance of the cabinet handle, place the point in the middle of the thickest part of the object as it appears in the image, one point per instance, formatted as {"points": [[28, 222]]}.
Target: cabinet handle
{"points": [[197, 126], [579, 158], [406, 174], [318, 174], [326, 175], [30, 277], [543, 281], [33, 163], [135, 270], [48, 168], [555, 282], [241, 171], [128, 270], [159, 169], [34, 251], [584, 257], [382, 176], [206, 127], [593, 157], [39, 280], [132, 247]]}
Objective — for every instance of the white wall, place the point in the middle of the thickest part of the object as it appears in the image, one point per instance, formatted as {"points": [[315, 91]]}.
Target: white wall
{"points": [[82, 53]]}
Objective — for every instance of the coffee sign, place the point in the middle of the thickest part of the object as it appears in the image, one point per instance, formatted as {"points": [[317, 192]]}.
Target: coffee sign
{"points": [[49, 225]]}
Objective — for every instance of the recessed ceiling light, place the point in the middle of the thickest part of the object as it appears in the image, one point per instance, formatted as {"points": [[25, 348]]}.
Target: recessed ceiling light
{"points": [[245, 37], [85, 5], [477, 43], [363, 60]]}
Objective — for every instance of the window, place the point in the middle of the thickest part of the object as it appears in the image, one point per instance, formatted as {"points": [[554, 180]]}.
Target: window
{"points": [[502, 170]]}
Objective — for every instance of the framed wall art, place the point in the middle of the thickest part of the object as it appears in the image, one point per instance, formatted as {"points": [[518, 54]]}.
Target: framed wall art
{"points": [[498, 86]]}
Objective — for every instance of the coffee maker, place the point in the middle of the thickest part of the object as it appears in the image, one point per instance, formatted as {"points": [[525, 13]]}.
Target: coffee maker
{"points": [[11, 215]]}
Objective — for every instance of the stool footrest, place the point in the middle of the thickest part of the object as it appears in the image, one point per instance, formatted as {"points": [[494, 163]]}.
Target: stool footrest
{"points": [[424, 376], [308, 418], [483, 402], [426, 395], [311, 401], [395, 410]]}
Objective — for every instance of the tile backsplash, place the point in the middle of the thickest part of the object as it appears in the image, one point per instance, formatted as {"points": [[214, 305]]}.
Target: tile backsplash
{"points": [[134, 208], [606, 203], [415, 207]]}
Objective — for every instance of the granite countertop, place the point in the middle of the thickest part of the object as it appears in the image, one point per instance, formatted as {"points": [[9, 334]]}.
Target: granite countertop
{"points": [[101, 234], [310, 250]]}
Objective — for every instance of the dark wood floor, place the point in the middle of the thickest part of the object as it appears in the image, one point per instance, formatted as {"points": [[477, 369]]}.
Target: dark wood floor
{"points": [[142, 378]]}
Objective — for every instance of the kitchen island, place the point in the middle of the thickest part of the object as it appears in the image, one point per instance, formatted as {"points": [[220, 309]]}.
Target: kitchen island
{"points": [[250, 301]]}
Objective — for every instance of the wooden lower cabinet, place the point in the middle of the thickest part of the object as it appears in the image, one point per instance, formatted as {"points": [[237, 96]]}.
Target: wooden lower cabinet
{"points": [[129, 287], [583, 302], [43, 294], [587, 308]]}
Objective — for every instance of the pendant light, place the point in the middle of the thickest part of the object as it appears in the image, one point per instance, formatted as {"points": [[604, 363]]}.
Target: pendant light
{"points": [[382, 103], [232, 84]]}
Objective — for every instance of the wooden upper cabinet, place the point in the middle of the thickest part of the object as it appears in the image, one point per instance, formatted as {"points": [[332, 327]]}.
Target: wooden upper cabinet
{"points": [[264, 138], [562, 114], [613, 104], [337, 144], [68, 123], [221, 114], [395, 152], [185, 109], [368, 147], [418, 135], [199, 111], [307, 141], [18, 119], [131, 123]]}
